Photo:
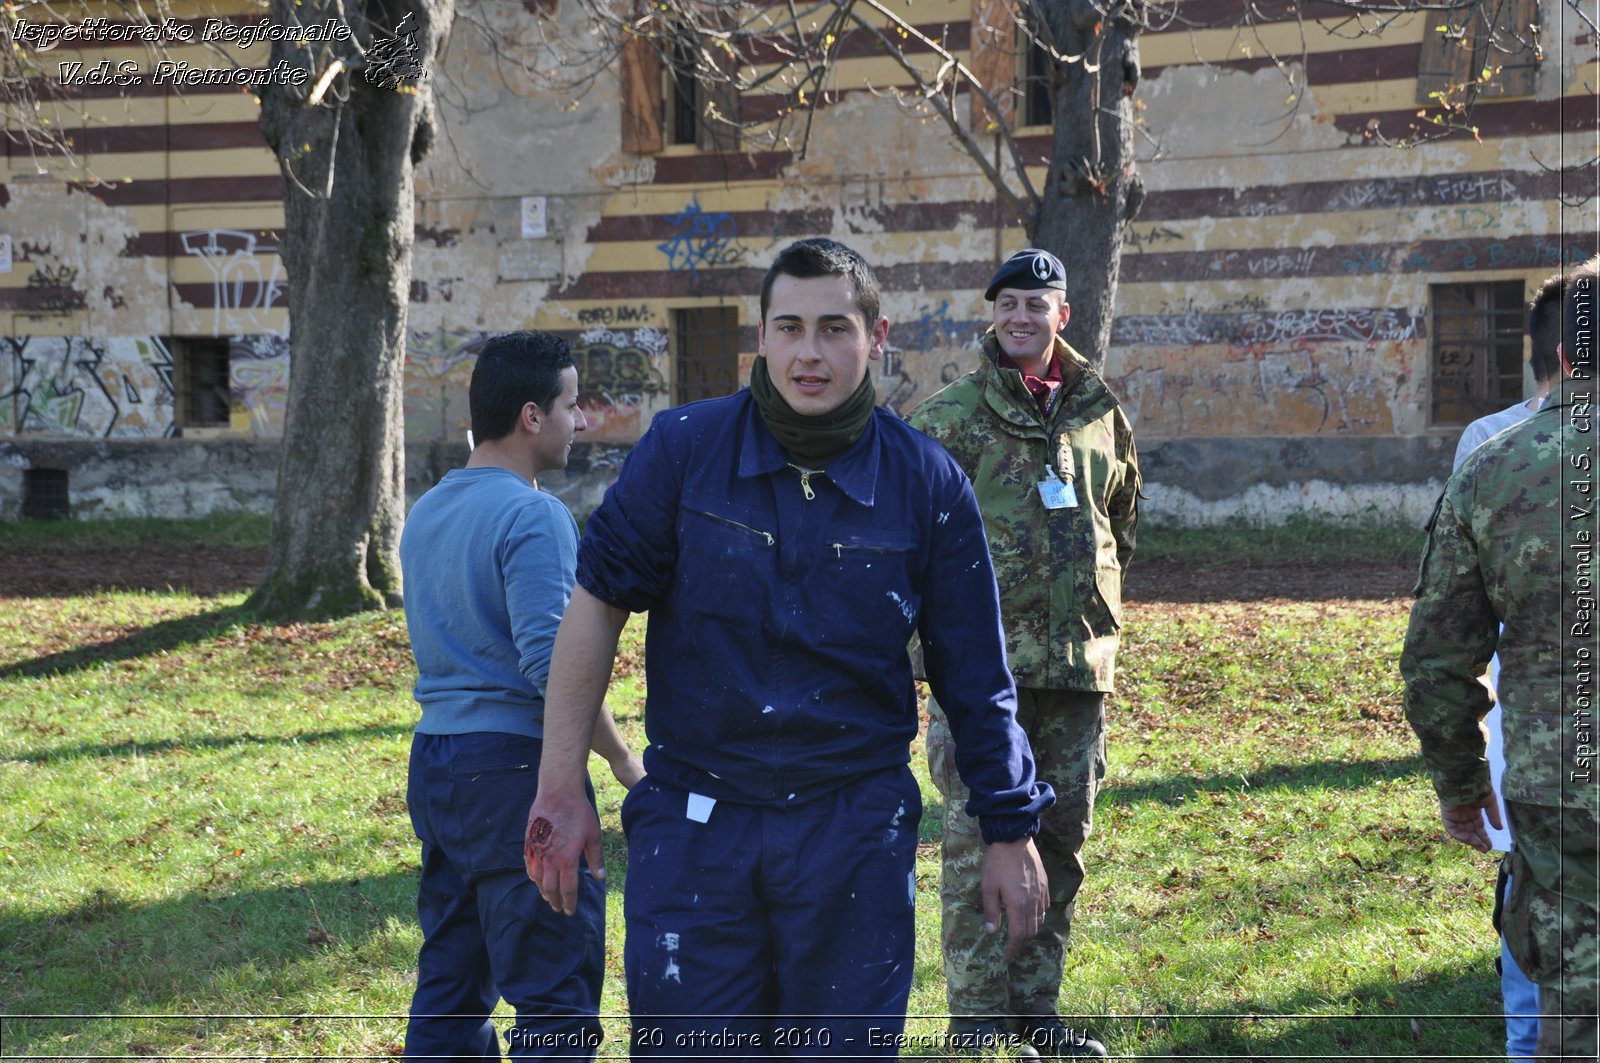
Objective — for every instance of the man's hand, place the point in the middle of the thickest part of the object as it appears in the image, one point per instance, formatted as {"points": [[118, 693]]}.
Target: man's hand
{"points": [[607, 741], [561, 828], [628, 769], [1464, 823], [562, 825], [1014, 879]]}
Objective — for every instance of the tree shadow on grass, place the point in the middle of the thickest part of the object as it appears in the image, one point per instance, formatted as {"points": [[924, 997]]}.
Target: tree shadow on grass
{"points": [[108, 956], [1455, 1015], [167, 745], [264, 950], [162, 637], [1317, 774]]}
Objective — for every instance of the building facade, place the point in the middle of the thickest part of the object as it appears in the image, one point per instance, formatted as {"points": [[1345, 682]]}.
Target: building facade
{"points": [[1307, 314]]}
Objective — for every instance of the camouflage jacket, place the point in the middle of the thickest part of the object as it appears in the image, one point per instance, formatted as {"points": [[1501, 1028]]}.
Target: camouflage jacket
{"points": [[1512, 541], [1059, 571]]}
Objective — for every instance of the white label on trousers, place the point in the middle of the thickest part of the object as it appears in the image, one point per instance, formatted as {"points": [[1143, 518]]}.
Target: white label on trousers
{"points": [[700, 807]]}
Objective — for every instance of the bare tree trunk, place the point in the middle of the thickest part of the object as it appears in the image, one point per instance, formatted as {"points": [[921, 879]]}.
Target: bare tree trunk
{"points": [[1091, 190], [348, 164]]}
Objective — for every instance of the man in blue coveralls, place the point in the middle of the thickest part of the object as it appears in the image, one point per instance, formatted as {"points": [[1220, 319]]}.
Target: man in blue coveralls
{"points": [[786, 541], [488, 564]]}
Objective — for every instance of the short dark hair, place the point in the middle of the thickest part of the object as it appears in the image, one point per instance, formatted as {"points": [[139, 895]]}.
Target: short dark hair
{"points": [[512, 371], [821, 257], [1578, 316], [1544, 327]]}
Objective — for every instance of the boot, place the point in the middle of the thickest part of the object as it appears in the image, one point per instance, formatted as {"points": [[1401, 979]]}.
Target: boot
{"points": [[1049, 1036], [989, 1038]]}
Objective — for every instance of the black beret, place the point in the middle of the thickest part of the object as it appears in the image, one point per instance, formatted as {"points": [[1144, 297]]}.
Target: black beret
{"points": [[1028, 269]]}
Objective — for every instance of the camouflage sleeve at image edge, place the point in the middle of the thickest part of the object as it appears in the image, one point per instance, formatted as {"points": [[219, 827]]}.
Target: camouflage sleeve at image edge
{"points": [[1448, 643]]}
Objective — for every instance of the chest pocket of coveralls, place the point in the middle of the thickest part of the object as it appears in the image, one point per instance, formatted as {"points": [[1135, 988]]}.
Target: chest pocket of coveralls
{"points": [[735, 555], [865, 593]]}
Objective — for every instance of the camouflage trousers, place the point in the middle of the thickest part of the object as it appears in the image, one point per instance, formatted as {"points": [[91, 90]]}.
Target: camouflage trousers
{"points": [[1552, 923], [1067, 730]]}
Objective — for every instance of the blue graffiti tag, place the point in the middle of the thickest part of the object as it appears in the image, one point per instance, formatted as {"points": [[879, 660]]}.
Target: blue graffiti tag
{"points": [[700, 239], [935, 330]]}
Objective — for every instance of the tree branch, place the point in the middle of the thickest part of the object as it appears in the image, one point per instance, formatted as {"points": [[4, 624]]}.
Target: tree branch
{"points": [[1026, 203]]}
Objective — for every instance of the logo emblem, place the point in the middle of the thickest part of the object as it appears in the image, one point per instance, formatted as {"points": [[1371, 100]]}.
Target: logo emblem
{"points": [[1041, 266], [393, 60]]}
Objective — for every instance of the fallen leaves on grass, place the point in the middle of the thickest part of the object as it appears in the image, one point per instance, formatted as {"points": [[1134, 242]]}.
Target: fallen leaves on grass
{"points": [[369, 651]]}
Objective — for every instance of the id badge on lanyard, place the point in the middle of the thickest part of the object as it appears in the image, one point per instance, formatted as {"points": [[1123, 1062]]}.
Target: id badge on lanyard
{"points": [[1057, 493]]}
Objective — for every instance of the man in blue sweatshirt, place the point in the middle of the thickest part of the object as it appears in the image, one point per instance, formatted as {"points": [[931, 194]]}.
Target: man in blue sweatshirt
{"points": [[488, 562]]}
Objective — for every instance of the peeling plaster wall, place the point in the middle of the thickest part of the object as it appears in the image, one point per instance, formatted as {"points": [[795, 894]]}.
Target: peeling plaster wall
{"points": [[1277, 287], [1310, 389], [514, 131], [1273, 339], [190, 478], [67, 247], [1268, 479], [145, 478], [1250, 109]]}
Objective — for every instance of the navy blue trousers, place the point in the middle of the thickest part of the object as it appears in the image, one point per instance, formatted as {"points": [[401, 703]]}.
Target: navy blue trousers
{"points": [[486, 932], [765, 933]]}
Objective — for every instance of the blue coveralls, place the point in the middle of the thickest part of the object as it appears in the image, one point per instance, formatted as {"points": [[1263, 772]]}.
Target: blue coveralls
{"points": [[771, 848]]}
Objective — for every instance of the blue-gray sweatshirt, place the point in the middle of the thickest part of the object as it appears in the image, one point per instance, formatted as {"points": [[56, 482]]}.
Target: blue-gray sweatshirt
{"points": [[487, 561]]}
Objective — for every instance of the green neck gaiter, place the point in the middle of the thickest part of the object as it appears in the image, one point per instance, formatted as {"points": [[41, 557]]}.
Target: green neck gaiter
{"points": [[811, 441]]}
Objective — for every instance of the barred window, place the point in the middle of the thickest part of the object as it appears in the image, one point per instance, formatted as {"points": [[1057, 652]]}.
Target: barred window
{"points": [[1037, 107], [204, 396], [1477, 350], [668, 97], [46, 494], [706, 353], [684, 104]]}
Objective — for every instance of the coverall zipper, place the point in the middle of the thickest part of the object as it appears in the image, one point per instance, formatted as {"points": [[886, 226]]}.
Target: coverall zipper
{"points": [[753, 531], [805, 480]]}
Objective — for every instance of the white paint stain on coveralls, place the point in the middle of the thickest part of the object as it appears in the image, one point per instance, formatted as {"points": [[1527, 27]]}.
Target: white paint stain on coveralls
{"points": [[669, 944]]}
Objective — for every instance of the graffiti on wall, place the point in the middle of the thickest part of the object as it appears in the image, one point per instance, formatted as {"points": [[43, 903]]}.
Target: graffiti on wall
{"points": [[258, 380], [1309, 389], [1139, 237], [930, 331], [1355, 324], [438, 372], [119, 387], [1447, 190], [700, 239], [1264, 264], [635, 314], [52, 290], [619, 373], [242, 289]]}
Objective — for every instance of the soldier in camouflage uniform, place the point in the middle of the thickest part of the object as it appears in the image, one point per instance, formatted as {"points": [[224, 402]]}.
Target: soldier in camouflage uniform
{"points": [[1052, 461], [1513, 542]]}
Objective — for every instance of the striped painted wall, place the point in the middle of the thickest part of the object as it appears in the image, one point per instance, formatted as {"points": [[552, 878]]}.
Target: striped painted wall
{"points": [[164, 224], [1276, 286]]}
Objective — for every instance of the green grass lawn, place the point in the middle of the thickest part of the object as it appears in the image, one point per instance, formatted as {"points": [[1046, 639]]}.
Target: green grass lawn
{"points": [[1298, 540], [204, 847], [61, 536]]}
